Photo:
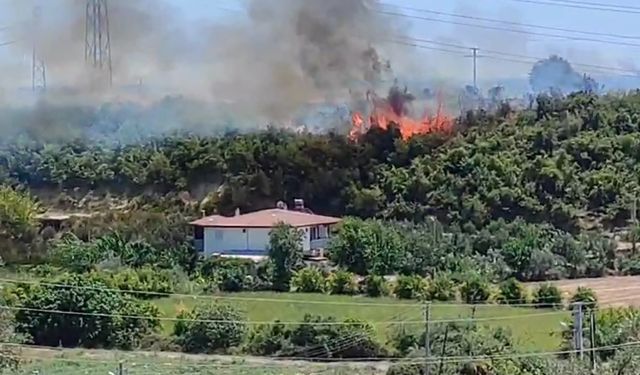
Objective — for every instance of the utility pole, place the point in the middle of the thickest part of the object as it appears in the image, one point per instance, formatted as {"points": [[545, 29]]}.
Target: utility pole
{"points": [[97, 49], [578, 335], [38, 70], [592, 339], [427, 338], [475, 56]]}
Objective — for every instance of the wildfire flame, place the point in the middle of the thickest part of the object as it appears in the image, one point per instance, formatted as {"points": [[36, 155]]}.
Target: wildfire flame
{"points": [[384, 113]]}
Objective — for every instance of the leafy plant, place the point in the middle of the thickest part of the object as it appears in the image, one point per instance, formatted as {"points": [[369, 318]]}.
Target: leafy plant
{"points": [[342, 282], [585, 296], [208, 328], [102, 316], [475, 290], [309, 280], [441, 288], [285, 253], [410, 287], [547, 296], [512, 292], [375, 286]]}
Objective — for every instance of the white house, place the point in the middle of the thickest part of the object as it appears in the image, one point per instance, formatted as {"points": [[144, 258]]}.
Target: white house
{"points": [[248, 234]]}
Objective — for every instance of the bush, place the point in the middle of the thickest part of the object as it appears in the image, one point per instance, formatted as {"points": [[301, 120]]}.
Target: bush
{"points": [[309, 280], [512, 292], [209, 328], [269, 339], [547, 296], [285, 254], [475, 290], [75, 255], [342, 282], [228, 274], [375, 286], [156, 282], [586, 296], [441, 288], [630, 266], [410, 287], [100, 326], [367, 247]]}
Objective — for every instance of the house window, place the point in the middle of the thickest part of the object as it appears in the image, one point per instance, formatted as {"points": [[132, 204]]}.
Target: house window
{"points": [[315, 233], [198, 233]]}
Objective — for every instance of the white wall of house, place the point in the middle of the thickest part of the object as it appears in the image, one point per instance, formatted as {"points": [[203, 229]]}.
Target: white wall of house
{"points": [[255, 241]]}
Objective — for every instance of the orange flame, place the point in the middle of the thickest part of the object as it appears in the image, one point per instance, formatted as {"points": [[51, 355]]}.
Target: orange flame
{"points": [[383, 115]]}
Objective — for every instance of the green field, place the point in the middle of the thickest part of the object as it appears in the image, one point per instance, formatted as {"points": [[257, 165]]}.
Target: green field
{"points": [[71, 362], [533, 329]]}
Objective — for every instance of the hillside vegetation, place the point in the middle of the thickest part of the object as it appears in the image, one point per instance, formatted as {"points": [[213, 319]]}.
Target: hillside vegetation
{"points": [[567, 159], [459, 220]]}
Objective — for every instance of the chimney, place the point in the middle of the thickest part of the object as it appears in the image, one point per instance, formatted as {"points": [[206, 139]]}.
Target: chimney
{"points": [[298, 204], [281, 205], [237, 211], [203, 213]]}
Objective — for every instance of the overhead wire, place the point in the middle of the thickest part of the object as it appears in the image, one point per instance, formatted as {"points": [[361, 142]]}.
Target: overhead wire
{"points": [[507, 56], [274, 322], [417, 360], [585, 5], [517, 31], [519, 24]]}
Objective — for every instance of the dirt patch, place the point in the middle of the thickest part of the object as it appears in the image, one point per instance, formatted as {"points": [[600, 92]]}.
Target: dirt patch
{"points": [[611, 291]]}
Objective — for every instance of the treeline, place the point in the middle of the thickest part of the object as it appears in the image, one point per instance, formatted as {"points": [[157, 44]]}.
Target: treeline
{"points": [[566, 159]]}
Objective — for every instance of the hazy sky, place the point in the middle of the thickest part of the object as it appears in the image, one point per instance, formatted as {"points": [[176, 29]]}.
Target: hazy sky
{"points": [[446, 64]]}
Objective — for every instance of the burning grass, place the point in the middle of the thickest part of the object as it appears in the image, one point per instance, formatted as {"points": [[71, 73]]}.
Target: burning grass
{"points": [[395, 109]]}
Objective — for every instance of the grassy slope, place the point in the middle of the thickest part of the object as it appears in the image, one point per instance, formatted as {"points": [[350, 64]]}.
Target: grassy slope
{"points": [[532, 333]]}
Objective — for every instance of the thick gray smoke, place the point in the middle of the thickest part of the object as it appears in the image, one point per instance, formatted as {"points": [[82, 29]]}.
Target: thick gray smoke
{"points": [[265, 67], [292, 52]]}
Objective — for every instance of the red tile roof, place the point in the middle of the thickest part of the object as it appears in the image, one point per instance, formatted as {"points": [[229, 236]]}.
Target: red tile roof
{"points": [[266, 219]]}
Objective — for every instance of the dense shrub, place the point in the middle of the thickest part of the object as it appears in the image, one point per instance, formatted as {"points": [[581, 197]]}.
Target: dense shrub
{"points": [[210, 328], [75, 255], [441, 288], [410, 287], [475, 290], [342, 282], [228, 274], [512, 292], [367, 247], [547, 296], [285, 255], [375, 286], [318, 337], [309, 280], [157, 283], [87, 297], [585, 296]]}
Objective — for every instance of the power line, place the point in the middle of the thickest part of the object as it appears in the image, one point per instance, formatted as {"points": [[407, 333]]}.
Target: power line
{"points": [[517, 31], [2, 44], [258, 299], [584, 5], [431, 360], [610, 35], [621, 6], [275, 322], [507, 54]]}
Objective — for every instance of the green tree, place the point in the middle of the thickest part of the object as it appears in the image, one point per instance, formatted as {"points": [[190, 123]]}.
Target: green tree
{"points": [[17, 213], [96, 315], [285, 253], [210, 327], [367, 247]]}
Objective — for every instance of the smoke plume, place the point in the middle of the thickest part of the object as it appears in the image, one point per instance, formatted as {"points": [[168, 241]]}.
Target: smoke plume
{"points": [[291, 52]]}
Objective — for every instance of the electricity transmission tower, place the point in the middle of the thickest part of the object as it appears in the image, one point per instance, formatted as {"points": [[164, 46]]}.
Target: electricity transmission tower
{"points": [[97, 50], [38, 70]]}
